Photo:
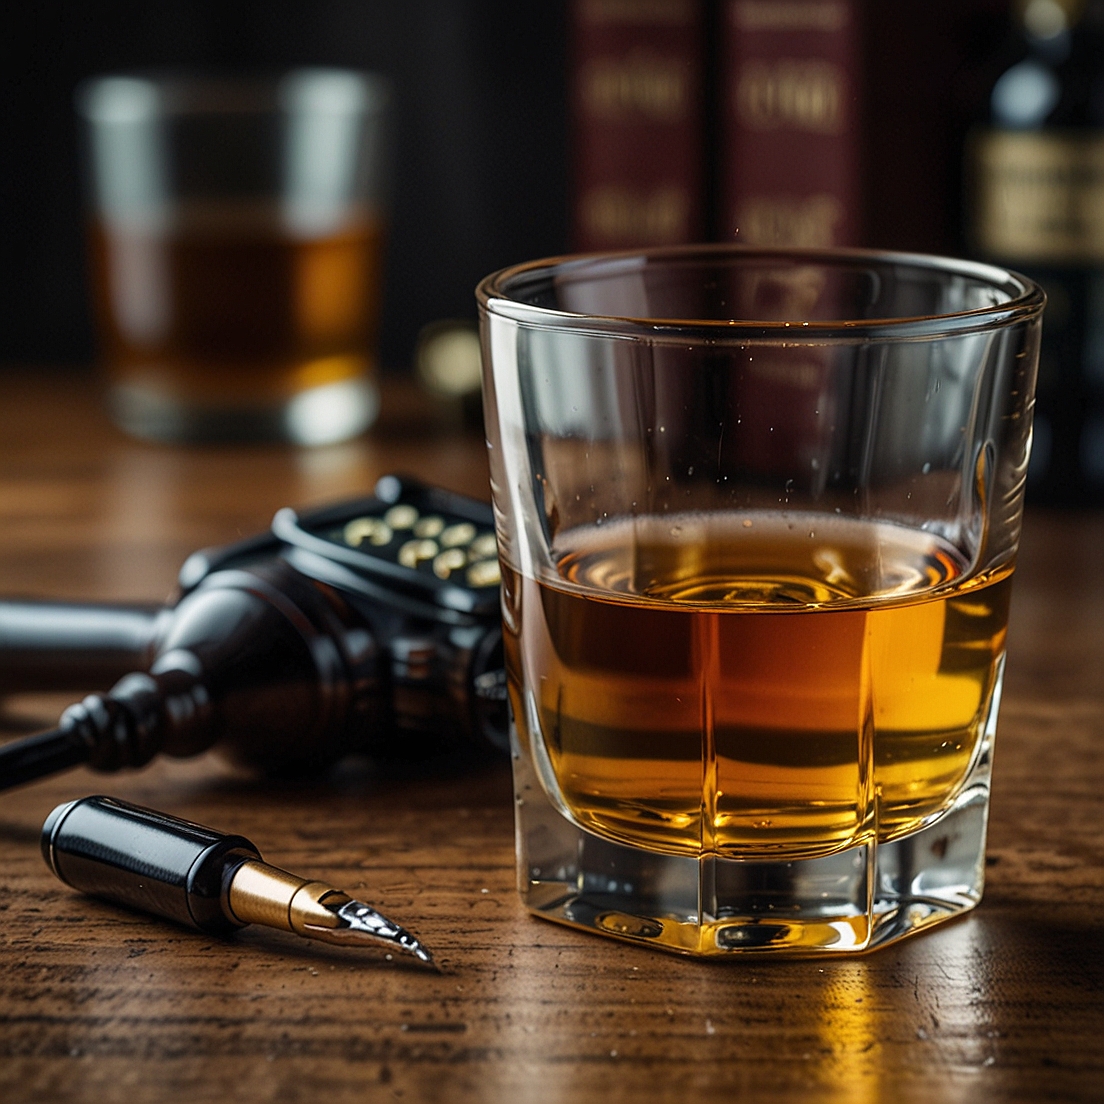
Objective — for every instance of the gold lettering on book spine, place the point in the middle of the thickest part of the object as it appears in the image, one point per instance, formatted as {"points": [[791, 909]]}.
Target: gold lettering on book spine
{"points": [[810, 222], [616, 216], [1039, 197], [795, 94], [790, 15], [643, 83]]}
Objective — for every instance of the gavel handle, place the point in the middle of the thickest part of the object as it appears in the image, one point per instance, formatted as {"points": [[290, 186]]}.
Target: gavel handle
{"points": [[73, 646], [39, 755]]}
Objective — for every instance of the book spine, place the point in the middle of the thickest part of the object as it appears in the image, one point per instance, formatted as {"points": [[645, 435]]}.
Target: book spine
{"points": [[637, 109], [790, 124], [790, 133]]}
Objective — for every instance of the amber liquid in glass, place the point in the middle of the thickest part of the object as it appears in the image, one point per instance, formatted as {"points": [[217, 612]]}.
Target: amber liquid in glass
{"points": [[754, 686], [226, 307]]}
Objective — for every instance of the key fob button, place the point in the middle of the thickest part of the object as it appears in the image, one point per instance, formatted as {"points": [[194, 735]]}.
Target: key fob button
{"points": [[455, 535], [429, 527], [483, 547], [484, 573], [402, 516], [415, 551], [369, 529], [448, 561]]}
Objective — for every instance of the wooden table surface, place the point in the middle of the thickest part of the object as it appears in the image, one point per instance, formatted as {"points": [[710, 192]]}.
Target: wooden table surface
{"points": [[100, 1004]]}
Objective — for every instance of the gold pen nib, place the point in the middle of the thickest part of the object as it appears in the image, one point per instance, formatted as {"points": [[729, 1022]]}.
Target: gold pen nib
{"points": [[263, 894]]}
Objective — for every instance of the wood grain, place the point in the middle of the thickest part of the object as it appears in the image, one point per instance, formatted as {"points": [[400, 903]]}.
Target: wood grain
{"points": [[103, 1005]]}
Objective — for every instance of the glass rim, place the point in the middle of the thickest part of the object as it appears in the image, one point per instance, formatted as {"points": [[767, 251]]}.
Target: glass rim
{"points": [[129, 96], [1026, 299]]}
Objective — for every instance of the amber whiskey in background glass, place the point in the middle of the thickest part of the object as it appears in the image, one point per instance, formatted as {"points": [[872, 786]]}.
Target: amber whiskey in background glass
{"points": [[236, 235], [226, 309]]}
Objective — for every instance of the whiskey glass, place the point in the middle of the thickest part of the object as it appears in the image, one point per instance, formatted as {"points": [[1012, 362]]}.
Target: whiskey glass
{"points": [[757, 517], [236, 241]]}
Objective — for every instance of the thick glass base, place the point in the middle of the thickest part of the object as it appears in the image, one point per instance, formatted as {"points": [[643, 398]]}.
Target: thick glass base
{"points": [[319, 415], [852, 900]]}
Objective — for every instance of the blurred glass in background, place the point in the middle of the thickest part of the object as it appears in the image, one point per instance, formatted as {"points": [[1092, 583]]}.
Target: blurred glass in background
{"points": [[236, 233], [476, 116]]}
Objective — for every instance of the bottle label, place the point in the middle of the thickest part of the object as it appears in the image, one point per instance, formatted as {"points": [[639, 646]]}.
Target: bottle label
{"points": [[1039, 197]]}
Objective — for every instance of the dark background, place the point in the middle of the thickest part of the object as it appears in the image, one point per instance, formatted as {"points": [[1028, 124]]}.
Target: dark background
{"points": [[481, 150]]}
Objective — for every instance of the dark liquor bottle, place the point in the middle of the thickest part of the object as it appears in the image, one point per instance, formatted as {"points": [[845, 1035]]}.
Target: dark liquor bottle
{"points": [[1036, 174]]}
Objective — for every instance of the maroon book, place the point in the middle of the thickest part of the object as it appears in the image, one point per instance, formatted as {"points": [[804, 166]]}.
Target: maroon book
{"points": [[790, 176], [790, 123], [637, 123]]}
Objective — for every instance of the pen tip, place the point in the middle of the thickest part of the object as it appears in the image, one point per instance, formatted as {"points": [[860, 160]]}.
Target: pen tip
{"points": [[421, 953], [361, 919]]}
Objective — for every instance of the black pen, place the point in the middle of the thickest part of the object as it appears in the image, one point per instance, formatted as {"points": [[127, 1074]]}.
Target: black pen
{"points": [[201, 878]]}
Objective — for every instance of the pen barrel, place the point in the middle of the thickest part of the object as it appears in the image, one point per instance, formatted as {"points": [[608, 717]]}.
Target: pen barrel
{"points": [[147, 860]]}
